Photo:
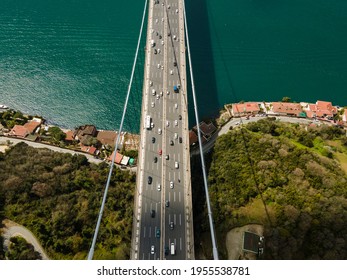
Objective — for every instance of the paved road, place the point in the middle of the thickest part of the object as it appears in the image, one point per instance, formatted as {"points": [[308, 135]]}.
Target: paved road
{"points": [[12, 229], [90, 158], [164, 154]]}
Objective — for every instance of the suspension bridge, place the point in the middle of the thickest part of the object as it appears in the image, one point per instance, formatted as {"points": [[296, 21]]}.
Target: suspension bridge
{"points": [[163, 217]]}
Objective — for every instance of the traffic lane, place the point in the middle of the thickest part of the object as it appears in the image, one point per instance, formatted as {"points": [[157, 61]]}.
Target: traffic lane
{"points": [[149, 225]]}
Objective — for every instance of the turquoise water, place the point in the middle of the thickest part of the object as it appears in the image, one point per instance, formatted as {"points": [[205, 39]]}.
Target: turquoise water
{"points": [[70, 60]]}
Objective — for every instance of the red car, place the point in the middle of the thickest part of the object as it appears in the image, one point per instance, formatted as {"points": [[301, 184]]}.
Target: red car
{"points": [[160, 152]]}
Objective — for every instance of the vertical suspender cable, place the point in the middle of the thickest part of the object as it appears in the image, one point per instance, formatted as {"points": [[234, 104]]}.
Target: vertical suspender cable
{"points": [[92, 248], [214, 246]]}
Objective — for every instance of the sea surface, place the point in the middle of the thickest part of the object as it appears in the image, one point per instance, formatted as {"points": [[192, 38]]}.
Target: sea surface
{"points": [[70, 60]]}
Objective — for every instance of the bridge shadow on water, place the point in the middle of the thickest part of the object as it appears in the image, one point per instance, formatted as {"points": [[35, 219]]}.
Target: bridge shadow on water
{"points": [[202, 61]]}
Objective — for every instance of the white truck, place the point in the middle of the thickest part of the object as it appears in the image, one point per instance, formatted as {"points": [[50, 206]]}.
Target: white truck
{"points": [[172, 249], [148, 122]]}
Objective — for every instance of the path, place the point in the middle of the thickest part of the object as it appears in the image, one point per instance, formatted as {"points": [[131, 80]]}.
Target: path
{"points": [[13, 229], [4, 139]]}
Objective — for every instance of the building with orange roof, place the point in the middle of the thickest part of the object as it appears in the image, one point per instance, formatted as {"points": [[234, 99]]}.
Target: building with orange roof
{"points": [[32, 126], [286, 108], [89, 149], [243, 109], [19, 131], [321, 109], [69, 136], [118, 158]]}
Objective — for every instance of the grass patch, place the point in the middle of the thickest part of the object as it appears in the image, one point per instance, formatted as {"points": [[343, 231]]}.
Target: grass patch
{"points": [[342, 158]]}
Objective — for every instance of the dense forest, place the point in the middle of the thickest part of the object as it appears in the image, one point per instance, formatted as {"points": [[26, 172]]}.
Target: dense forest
{"points": [[57, 196], [287, 177]]}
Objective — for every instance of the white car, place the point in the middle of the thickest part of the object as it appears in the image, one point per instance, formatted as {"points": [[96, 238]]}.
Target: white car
{"points": [[176, 106], [161, 93], [171, 72], [162, 42], [167, 123], [152, 250], [158, 50], [176, 122], [152, 125], [168, 92], [150, 83], [159, 131], [158, 96], [176, 165], [159, 188], [158, 65], [171, 185], [153, 92], [176, 135], [152, 105]]}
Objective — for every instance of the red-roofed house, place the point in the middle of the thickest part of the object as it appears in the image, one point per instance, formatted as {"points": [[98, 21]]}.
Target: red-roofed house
{"points": [[286, 108], [193, 138], [242, 109], [32, 126], [118, 158], [19, 131], [322, 109], [69, 136], [89, 149]]}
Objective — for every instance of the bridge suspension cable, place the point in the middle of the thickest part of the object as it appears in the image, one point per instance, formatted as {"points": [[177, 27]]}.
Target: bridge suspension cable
{"points": [[91, 251], [214, 246]]}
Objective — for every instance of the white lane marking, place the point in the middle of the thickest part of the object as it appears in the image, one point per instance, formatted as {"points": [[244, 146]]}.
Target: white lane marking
{"points": [[181, 243], [180, 217], [144, 232], [150, 232], [179, 196], [174, 196]]}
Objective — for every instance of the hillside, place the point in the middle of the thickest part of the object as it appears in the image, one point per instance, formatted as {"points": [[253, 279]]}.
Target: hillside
{"points": [[57, 196], [296, 172]]}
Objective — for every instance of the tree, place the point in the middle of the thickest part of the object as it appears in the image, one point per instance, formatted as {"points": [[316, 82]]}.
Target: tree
{"points": [[286, 99], [57, 134]]}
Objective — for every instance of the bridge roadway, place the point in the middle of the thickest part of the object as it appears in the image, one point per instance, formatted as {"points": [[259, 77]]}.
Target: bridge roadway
{"points": [[163, 180]]}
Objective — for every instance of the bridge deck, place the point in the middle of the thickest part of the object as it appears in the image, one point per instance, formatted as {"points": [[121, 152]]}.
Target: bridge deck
{"points": [[163, 208]]}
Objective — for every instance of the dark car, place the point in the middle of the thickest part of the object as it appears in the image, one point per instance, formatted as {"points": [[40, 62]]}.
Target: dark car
{"points": [[171, 225], [152, 213], [180, 117], [167, 203], [153, 139], [180, 139], [149, 180], [155, 51], [171, 143], [166, 251], [155, 159], [157, 233], [175, 63]]}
